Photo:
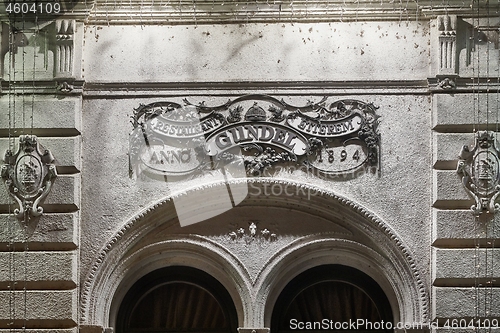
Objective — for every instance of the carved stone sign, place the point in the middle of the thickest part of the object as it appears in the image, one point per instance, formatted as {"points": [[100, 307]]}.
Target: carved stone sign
{"points": [[480, 171], [28, 175], [256, 131]]}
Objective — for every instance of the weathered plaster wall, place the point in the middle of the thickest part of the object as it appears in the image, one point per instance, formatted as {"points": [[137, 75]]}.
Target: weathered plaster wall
{"points": [[257, 52]]}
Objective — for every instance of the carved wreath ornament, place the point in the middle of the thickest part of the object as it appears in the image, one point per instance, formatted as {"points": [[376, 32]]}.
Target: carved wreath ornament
{"points": [[480, 171], [28, 175], [255, 131]]}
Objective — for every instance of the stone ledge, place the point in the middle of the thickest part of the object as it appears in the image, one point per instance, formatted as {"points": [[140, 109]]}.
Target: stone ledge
{"points": [[252, 330], [38, 270], [461, 330], [48, 232], [91, 329]]}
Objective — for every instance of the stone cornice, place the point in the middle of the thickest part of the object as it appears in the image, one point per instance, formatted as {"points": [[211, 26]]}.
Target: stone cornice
{"points": [[129, 89], [243, 11]]}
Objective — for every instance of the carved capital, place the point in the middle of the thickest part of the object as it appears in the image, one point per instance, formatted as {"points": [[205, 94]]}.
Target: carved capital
{"points": [[28, 175], [480, 172]]}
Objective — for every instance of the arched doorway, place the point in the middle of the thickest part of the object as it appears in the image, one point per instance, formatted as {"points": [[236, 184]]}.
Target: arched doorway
{"points": [[177, 299], [332, 298], [345, 234]]}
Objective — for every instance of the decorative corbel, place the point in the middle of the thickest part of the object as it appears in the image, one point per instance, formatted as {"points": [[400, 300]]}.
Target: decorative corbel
{"points": [[28, 175], [480, 171]]}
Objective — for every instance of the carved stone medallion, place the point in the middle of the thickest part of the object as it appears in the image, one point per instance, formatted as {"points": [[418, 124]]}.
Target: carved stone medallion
{"points": [[28, 175], [480, 171]]}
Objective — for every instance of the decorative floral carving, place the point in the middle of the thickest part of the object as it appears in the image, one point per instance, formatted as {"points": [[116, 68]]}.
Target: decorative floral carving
{"points": [[253, 233], [65, 87], [267, 157], [235, 114], [315, 144], [340, 110], [277, 114], [28, 175], [480, 171], [447, 83]]}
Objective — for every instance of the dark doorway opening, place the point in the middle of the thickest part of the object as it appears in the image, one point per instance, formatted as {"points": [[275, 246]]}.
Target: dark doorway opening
{"points": [[330, 298], [177, 299]]}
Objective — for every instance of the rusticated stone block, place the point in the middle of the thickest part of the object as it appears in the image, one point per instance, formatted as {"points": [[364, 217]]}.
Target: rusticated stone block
{"points": [[41, 308], [65, 191], [449, 191], [459, 111], [462, 302], [448, 147], [40, 270], [456, 226], [51, 231], [50, 115], [467, 263], [66, 151]]}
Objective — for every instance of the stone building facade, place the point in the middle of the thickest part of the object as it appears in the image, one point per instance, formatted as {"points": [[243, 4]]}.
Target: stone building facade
{"points": [[250, 166]]}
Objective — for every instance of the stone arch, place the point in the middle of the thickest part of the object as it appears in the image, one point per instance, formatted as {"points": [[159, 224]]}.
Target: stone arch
{"points": [[404, 298], [112, 282], [383, 256]]}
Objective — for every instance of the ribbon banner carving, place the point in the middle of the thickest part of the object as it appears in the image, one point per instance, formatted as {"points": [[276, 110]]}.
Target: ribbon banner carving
{"points": [[256, 132]]}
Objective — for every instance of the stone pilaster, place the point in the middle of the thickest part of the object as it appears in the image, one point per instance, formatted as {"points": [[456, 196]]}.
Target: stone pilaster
{"points": [[447, 51], [64, 48]]}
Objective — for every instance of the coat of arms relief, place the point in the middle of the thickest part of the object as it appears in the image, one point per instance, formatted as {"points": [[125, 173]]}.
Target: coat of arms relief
{"points": [[28, 175], [479, 168]]}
